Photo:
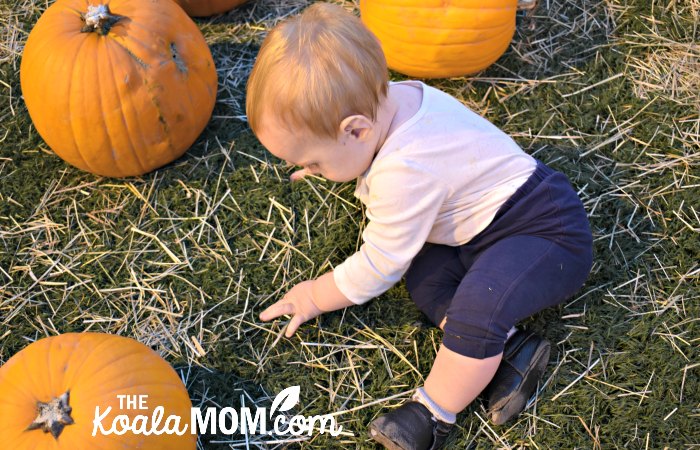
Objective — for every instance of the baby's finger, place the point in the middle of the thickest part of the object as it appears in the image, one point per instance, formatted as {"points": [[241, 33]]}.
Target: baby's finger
{"points": [[293, 325], [299, 174], [278, 309]]}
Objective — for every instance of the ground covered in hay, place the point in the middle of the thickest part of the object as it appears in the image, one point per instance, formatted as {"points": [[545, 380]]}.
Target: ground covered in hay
{"points": [[183, 259]]}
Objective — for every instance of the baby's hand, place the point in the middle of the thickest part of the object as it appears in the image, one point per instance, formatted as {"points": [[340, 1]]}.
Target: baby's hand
{"points": [[299, 174], [298, 303]]}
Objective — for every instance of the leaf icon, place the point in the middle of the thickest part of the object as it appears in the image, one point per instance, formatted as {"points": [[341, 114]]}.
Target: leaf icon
{"points": [[286, 399]]}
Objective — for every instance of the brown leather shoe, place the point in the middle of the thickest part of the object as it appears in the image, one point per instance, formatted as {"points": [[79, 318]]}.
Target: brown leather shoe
{"points": [[525, 358], [410, 427]]}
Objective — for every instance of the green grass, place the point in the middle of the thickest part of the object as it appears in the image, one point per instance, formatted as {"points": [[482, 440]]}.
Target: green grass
{"points": [[606, 92]]}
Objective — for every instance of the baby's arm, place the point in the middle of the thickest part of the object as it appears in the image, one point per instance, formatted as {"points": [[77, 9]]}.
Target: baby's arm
{"points": [[404, 202], [307, 300]]}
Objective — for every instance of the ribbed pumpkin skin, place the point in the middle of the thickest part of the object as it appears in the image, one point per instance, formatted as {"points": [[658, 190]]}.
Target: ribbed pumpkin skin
{"points": [[440, 38], [95, 368], [204, 8], [125, 103]]}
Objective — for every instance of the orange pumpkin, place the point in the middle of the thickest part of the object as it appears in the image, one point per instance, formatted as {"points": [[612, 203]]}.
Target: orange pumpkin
{"points": [[119, 88], [204, 8], [49, 392], [441, 38]]}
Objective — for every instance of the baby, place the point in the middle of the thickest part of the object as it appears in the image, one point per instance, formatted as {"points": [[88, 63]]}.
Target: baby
{"points": [[484, 234]]}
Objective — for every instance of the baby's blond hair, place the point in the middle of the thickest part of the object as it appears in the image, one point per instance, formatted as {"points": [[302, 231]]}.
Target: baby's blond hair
{"points": [[315, 69]]}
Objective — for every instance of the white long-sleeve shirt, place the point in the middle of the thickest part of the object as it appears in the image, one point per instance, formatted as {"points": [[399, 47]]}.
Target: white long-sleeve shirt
{"points": [[440, 177]]}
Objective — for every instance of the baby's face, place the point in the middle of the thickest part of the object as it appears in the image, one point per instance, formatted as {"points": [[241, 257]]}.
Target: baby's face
{"points": [[342, 159]]}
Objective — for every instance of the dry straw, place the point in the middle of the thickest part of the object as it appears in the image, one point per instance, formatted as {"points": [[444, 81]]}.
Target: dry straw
{"points": [[184, 259]]}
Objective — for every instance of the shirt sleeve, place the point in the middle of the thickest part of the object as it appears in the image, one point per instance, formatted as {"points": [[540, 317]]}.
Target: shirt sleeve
{"points": [[403, 202]]}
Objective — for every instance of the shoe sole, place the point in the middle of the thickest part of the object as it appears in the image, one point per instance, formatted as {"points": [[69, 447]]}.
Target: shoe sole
{"points": [[383, 439], [515, 402]]}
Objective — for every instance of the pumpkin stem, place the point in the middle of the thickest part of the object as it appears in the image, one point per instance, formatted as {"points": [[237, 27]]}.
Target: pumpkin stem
{"points": [[53, 416], [99, 19], [526, 4]]}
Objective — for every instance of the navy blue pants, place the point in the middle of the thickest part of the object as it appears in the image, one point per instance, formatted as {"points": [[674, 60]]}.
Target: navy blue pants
{"points": [[536, 253]]}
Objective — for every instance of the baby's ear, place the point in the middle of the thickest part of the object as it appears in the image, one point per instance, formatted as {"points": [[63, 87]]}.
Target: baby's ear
{"points": [[357, 126]]}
